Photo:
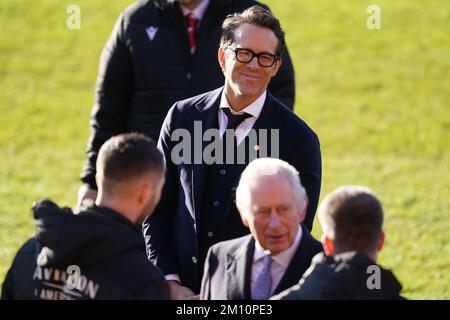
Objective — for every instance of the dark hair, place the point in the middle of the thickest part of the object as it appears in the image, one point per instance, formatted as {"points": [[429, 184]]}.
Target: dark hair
{"points": [[128, 156], [354, 216], [255, 15]]}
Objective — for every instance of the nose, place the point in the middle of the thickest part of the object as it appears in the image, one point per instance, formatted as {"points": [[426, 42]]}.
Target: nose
{"points": [[274, 220], [253, 64]]}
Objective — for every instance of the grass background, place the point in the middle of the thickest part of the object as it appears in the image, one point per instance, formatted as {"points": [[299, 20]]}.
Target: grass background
{"points": [[378, 99]]}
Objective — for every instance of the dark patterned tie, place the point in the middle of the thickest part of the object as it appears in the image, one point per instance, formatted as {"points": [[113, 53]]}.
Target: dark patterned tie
{"points": [[230, 142], [234, 120]]}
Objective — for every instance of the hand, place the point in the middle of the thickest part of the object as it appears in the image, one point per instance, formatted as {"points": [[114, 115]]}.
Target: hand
{"points": [[178, 292], [86, 195]]}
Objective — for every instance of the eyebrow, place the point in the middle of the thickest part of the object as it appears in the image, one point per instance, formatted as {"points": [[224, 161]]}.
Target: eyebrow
{"points": [[262, 52]]}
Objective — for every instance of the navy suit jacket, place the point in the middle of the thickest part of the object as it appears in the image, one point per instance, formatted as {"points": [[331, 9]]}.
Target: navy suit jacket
{"points": [[171, 233], [228, 268]]}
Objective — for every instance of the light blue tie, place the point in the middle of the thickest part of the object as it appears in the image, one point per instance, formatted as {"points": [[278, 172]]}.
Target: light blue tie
{"points": [[263, 282]]}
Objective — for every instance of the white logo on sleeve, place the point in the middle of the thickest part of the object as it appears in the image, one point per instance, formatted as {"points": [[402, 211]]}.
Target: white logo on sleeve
{"points": [[151, 32]]}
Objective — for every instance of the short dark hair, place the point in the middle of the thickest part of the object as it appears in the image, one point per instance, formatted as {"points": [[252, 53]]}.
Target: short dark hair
{"points": [[129, 156], [352, 217], [255, 15]]}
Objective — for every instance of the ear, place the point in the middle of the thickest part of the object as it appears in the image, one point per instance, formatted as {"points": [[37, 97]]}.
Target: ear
{"points": [[327, 245], [303, 213], [381, 241], [145, 191], [243, 217], [97, 178], [221, 57], [277, 67]]}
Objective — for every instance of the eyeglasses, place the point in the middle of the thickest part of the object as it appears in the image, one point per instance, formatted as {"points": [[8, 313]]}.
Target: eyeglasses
{"points": [[265, 59]]}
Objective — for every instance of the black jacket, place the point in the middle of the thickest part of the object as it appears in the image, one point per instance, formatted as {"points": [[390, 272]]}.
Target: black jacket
{"points": [[229, 263], [140, 79], [106, 247], [344, 277]]}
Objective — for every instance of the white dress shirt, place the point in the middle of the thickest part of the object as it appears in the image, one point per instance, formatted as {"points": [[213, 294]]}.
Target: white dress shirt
{"points": [[244, 127], [280, 262]]}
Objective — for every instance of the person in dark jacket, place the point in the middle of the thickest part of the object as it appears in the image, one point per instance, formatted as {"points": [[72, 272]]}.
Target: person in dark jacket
{"points": [[159, 52], [272, 203], [98, 253], [351, 218]]}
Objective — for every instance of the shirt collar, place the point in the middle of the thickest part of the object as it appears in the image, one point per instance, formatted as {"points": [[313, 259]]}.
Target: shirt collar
{"points": [[283, 258], [198, 12], [253, 108]]}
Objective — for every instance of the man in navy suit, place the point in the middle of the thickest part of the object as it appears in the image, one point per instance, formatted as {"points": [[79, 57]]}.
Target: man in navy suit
{"points": [[272, 203], [197, 208]]}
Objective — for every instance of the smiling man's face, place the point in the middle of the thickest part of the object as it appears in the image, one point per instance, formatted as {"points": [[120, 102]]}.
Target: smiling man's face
{"points": [[245, 82], [273, 215]]}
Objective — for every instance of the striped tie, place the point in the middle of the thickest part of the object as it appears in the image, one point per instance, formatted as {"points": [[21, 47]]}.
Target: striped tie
{"points": [[191, 28], [263, 283]]}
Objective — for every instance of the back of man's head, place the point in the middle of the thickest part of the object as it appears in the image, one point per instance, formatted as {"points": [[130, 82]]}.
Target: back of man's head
{"points": [[125, 158], [352, 218]]}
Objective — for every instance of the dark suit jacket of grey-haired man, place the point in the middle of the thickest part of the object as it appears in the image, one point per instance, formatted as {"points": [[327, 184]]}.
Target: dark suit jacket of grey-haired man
{"points": [[229, 264]]}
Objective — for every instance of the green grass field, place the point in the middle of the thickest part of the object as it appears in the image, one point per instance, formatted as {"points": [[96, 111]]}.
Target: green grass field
{"points": [[378, 99]]}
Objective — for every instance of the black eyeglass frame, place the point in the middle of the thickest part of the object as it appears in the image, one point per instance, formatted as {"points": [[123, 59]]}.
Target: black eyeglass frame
{"points": [[257, 55]]}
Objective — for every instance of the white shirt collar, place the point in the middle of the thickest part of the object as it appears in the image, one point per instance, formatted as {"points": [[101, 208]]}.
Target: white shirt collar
{"points": [[253, 108], [198, 12], [283, 258]]}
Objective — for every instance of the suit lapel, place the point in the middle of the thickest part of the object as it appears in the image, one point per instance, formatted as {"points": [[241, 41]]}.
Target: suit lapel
{"points": [[267, 118], [299, 263], [238, 271], [205, 112]]}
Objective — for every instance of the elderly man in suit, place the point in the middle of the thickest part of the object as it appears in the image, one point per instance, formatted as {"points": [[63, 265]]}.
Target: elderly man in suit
{"points": [[272, 203], [197, 208]]}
